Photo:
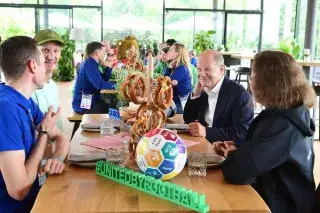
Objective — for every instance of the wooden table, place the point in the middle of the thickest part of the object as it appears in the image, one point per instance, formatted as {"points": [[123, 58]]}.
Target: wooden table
{"points": [[81, 190], [301, 62], [109, 91], [229, 53], [242, 56], [309, 63]]}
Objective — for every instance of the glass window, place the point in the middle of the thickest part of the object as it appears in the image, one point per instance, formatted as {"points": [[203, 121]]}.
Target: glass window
{"points": [[179, 25], [205, 21], [71, 2], [244, 4], [58, 20], [89, 20], [195, 4], [19, 1], [302, 24], [278, 22], [243, 32], [317, 41], [13, 22], [141, 18]]}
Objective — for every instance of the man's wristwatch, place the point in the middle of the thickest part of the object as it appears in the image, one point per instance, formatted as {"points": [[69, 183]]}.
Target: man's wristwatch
{"points": [[43, 132]]}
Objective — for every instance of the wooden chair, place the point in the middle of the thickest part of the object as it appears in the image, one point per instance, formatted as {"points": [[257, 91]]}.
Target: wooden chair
{"points": [[76, 119]]}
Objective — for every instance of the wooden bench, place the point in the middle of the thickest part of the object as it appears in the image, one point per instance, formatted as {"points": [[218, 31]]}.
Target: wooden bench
{"points": [[76, 119]]}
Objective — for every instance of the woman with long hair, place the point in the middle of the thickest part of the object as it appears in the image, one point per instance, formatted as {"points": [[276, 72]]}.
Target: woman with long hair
{"points": [[277, 157], [179, 70]]}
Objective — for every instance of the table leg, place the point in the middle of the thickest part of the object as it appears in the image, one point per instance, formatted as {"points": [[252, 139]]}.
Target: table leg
{"points": [[75, 128]]}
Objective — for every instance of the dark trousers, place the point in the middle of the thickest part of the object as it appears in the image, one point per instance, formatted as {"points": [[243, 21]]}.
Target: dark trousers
{"points": [[100, 107]]}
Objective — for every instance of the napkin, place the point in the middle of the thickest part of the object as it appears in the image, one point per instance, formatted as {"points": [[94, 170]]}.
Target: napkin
{"points": [[190, 143], [105, 142]]}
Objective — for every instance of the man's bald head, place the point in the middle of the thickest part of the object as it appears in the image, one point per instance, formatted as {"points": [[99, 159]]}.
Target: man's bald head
{"points": [[213, 56], [210, 68]]}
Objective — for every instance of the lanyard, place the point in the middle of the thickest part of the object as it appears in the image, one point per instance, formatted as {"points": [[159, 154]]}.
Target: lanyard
{"points": [[33, 130]]}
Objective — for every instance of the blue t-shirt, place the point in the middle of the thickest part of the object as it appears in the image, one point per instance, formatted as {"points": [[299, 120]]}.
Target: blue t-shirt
{"points": [[89, 82], [17, 132], [193, 61], [182, 75]]}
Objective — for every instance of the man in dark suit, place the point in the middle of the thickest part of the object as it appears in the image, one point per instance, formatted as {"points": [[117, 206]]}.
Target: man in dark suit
{"points": [[218, 109]]}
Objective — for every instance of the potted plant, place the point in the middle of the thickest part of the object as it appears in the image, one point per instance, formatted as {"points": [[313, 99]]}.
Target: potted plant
{"points": [[66, 67], [290, 46], [204, 41]]}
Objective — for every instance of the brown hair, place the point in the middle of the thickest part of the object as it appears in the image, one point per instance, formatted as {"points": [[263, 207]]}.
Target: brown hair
{"points": [[279, 81], [15, 52], [150, 51]]}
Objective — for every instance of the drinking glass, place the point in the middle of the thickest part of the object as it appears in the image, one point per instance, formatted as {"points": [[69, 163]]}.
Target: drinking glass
{"points": [[106, 126], [197, 164], [306, 54], [115, 156]]}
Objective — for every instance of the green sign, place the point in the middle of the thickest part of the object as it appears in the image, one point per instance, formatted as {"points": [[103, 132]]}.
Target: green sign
{"points": [[150, 185]]}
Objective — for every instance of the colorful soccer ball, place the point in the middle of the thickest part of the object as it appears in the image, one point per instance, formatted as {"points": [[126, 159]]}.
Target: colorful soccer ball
{"points": [[161, 153]]}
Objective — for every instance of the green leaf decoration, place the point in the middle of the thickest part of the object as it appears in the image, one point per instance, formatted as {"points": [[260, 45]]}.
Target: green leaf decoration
{"points": [[65, 67]]}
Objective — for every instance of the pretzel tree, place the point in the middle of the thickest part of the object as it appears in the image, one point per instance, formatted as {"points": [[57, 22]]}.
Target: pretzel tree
{"points": [[150, 115]]}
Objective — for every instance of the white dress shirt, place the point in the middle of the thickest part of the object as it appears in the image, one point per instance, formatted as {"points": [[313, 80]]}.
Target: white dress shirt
{"points": [[212, 100]]}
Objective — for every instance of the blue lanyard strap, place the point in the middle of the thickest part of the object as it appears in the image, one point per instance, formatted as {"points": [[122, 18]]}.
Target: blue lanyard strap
{"points": [[32, 125]]}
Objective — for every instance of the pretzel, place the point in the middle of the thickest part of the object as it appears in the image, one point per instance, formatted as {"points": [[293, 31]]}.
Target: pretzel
{"points": [[134, 89], [163, 93], [139, 66], [124, 89], [158, 114], [139, 128], [138, 89]]}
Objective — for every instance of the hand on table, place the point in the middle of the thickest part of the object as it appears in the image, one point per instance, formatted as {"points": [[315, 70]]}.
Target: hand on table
{"points": [[197, 130], [223, 148], [53, 166]]}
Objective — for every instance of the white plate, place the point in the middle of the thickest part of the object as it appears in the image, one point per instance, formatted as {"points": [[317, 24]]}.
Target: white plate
{"points": [[213, 158], [95, 130], [177, 126]]}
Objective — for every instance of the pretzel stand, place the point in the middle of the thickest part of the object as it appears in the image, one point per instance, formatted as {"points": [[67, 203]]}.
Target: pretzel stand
{"points": [[149, 91], [144, 122], [150, 114]]}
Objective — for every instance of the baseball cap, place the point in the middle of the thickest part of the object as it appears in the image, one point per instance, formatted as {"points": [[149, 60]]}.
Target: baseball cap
{"points": [[47, 35]]}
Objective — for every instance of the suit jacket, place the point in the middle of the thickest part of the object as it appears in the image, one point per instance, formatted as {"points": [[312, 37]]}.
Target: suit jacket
{"points": [[232, 116]]}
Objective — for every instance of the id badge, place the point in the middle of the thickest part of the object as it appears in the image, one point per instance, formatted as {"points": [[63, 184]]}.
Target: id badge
{"points": [[86, 101], [42, 179]]}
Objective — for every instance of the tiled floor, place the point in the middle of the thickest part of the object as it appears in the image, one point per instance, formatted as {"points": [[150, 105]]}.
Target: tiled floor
{"points": [[65, 93]]}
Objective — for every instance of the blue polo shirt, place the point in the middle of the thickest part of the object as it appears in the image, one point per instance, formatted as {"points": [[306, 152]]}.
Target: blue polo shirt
{"points": [[182, 75], [193, 61], [89, 82], [17, 132]]}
